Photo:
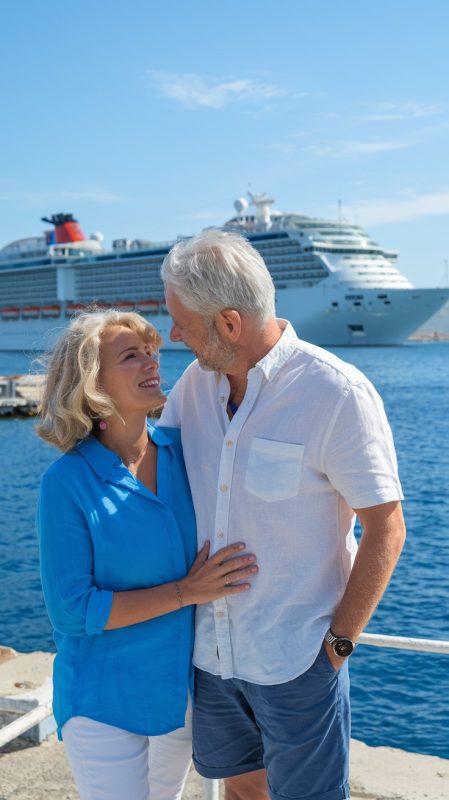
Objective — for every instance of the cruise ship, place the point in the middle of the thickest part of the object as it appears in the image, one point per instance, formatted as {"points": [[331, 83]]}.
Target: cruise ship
{"points": [[333, 282]]}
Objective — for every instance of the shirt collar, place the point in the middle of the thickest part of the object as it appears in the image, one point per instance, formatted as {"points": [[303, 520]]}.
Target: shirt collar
{"points": [[284, 348], [102, 460]]}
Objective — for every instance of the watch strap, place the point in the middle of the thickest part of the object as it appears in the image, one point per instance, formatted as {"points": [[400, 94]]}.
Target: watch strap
{"points": [[334, 640]]}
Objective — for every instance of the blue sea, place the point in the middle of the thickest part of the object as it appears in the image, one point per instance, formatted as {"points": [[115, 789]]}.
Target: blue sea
{"points": [[399, 698]]}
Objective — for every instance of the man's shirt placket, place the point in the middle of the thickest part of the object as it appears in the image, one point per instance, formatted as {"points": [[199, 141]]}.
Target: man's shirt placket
{"points": [[233, 429]]}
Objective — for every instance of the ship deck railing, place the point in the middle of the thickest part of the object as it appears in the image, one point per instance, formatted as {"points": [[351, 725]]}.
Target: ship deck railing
{"points": [[211, 788]]}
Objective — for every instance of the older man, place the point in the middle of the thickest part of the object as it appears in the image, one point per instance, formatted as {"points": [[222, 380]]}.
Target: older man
{"points": [[284, 444]]}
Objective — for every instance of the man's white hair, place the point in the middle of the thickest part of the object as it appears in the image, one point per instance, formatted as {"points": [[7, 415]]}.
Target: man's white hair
{"points": [[216, 270]]}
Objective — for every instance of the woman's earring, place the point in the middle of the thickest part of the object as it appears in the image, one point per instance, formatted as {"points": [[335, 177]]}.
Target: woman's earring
{"points": [[103, 424]]}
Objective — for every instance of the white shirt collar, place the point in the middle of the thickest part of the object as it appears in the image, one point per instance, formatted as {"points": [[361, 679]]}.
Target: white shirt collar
{"points": [[281, 352]]}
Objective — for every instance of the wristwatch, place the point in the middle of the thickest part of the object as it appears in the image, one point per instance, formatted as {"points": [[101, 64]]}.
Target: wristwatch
{"points": [[341, 645]]}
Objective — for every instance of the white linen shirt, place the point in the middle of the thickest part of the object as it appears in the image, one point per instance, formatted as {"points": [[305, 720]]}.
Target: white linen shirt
{"points": [[309, 443]]}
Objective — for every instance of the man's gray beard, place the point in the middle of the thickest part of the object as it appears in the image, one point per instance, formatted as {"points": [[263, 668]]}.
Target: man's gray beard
{"points": [[217, 355]]}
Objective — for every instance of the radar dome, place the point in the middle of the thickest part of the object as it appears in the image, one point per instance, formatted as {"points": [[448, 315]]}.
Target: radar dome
{"points": [[241, 204], [97, 237]]}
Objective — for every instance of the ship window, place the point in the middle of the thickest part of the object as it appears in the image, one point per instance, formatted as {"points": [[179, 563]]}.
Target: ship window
{"points": [[387, 302], [357, 303], [356, 328], [334, 304], [382, 296]]}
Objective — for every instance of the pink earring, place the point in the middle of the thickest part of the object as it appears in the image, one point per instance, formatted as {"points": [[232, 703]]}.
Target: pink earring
{"points": [[102, 424]]}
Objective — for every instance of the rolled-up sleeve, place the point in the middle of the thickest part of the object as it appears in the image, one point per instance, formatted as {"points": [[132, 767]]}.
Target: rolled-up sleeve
{"points": [[359, 456], [75, 605]]}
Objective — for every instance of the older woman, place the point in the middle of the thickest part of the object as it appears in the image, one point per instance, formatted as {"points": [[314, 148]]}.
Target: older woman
{"points": [[119, 573]]}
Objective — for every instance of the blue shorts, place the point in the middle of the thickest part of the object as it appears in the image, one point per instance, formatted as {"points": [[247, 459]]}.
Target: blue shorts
{"points": [[299, 731]]}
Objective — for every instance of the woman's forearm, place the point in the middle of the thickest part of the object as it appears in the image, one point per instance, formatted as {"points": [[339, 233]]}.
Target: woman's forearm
{"points": [[207, 580], [140, 605]]}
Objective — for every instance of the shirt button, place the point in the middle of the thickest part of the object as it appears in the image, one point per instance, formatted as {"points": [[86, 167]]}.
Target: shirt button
{"points": [[222, 399], [229, 443], [223, 487], [220, 534], [219, 614]]}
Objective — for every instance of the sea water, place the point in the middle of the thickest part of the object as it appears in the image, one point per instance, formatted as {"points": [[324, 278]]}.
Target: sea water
{"points": [[399, 698]]}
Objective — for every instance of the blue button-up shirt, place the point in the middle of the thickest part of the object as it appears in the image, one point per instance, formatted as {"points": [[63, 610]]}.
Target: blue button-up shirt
{"points": [[101, 530]]}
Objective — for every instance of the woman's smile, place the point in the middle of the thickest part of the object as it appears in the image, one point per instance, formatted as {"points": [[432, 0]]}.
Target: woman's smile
{"points": [[150, 382]]}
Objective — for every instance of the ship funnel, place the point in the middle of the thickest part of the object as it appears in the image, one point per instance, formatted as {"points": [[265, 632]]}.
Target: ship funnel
{"points": [[67, 228]]}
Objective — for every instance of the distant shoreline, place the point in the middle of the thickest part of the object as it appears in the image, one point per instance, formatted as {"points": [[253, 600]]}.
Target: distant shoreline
{"points": [[429, 336]]}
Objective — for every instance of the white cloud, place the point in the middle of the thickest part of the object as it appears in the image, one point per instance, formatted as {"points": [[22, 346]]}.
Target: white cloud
{"points": [[41, 199], [405, 209], [354, 148], [196, 91], [360, 148], [387, 112]]}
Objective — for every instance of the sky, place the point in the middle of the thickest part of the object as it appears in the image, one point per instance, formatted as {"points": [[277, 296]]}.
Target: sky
{"points": [[147, 119]]}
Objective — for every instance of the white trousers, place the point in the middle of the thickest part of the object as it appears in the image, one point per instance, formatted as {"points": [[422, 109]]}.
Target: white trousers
{"points": [[109, 763]]}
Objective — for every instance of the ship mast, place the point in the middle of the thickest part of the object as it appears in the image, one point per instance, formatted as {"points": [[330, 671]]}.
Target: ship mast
{"points": [[262, 203]]}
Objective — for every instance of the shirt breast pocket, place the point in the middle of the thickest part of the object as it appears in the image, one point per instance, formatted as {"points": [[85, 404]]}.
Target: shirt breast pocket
{"points": [[274, 469]]}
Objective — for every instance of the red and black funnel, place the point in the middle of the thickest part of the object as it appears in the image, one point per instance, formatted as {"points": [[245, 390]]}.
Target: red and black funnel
{"points": [[67, 228]]}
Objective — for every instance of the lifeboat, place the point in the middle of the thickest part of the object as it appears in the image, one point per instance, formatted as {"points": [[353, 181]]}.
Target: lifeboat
{"points": [[51, 310], [10, 313], [74, 308], [30, 312], [102, 306], [147, 306]]}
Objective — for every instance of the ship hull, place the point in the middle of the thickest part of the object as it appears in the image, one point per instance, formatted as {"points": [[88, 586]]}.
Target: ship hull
{"points": [[322, 315], [372, 321]]}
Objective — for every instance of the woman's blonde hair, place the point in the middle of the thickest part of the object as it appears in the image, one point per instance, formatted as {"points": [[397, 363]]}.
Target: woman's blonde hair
{"points": [[72, 398]]}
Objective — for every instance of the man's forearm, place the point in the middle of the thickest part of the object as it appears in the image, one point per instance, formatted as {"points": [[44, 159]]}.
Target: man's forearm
{"points": [[383, 535]]}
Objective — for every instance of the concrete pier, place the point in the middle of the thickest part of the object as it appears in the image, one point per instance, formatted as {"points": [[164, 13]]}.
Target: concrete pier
{"points": [[25, 695], [30, 771], [20, 394]]}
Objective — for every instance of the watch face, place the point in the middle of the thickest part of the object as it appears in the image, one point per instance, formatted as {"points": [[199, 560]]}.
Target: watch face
{"points": [[343, 647]]}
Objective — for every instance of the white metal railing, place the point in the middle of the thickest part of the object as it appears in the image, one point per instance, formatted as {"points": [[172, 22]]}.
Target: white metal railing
{"points": [[24, 723], [211, 789], [405, 643]]}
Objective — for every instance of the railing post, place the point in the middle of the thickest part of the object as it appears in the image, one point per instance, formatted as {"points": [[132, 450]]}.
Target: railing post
{"points": [[211, 789]]}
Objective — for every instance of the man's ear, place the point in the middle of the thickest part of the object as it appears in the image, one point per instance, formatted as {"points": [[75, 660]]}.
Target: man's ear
{"points": [[229, 324]]}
